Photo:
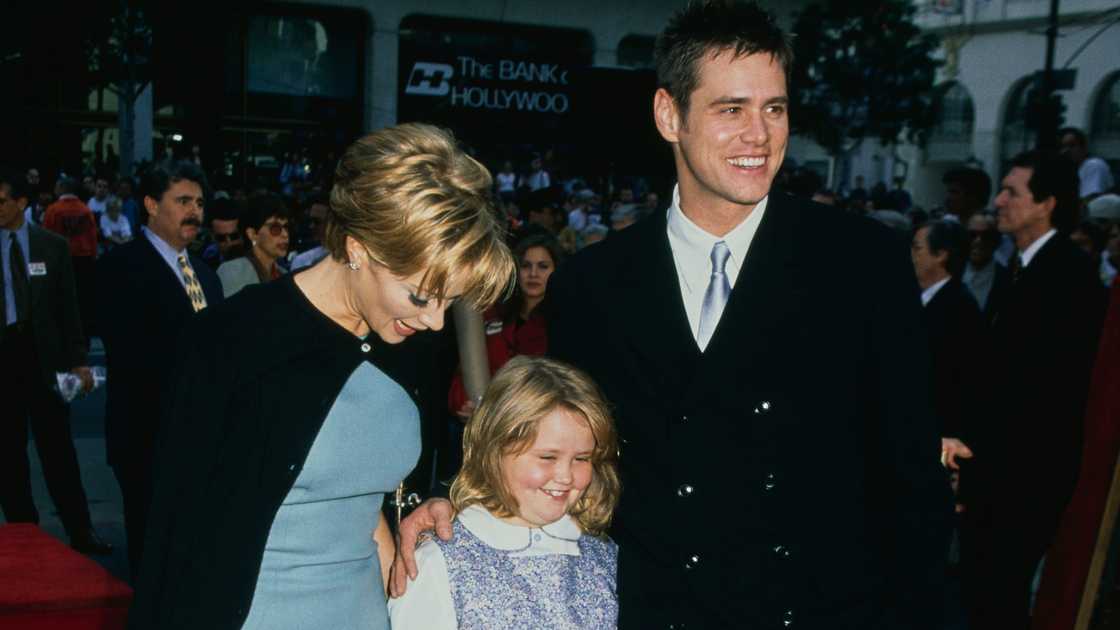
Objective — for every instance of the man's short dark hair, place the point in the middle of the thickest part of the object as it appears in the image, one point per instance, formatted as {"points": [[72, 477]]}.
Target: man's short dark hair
{"points": [[67, 185], [162, 175], [1054, 176], [1077, 134], [16, 183], [949, 237], [975, 182], [709, 27], [259, 209], [222, 210]]}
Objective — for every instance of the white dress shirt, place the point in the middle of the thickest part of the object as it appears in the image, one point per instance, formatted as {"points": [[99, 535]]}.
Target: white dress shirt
{"points": [[1028, 254], [980, 280], [427, 604], [692, 255], [931, 291], [167, 253]]}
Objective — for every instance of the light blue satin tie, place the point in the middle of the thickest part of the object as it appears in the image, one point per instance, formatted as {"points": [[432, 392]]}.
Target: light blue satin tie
{"points": [[715, 298]]}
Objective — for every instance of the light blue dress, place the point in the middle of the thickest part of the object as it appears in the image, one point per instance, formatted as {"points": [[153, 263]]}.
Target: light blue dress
{"points": [[320, 568]]}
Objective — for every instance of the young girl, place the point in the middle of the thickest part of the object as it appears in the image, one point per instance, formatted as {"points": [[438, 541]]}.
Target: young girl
{"points": [[533, 500]]}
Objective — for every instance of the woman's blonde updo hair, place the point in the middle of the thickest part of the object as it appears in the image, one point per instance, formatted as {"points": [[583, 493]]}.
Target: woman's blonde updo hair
{"points": [[506, 422], [419, 203]]}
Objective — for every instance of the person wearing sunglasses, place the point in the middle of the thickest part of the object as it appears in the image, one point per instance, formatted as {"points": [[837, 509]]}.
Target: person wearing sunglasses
{"points": [[265, 230]]}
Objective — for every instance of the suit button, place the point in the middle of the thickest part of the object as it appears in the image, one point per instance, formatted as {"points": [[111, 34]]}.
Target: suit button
{"points": [[684, 418], [691, 562], [684, 491], [782, 551], [762, 407], [770, 482], [366, 347]]}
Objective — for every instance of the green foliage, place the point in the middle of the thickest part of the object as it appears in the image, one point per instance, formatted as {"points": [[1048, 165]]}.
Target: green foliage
{"points": [[119, 52], [861, 68]]}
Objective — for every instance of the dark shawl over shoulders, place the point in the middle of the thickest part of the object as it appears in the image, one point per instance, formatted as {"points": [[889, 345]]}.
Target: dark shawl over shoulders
{"points": [[255, 379]]}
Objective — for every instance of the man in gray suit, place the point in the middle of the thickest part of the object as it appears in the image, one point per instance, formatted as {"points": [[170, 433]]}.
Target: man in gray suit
{"points": [[41, 335]]}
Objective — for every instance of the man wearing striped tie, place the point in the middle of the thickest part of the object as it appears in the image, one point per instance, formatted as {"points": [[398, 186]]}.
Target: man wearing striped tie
{"points": [[149, 288]]}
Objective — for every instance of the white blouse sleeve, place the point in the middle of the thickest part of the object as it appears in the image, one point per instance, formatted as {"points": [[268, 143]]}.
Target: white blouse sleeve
{"points": [[427, 604]]}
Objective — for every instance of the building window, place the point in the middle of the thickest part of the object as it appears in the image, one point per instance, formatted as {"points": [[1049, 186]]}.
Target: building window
{"points": [[1016, 137], [955, 114]]}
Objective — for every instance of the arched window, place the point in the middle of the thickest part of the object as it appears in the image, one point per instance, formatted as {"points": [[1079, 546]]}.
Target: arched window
{"points": [[955, 114], [1104, 134], [1016, 137], [951, 137]]}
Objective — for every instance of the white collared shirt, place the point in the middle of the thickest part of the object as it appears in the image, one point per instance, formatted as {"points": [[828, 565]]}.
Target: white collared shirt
{"points": [[980, 280], [167, 253], [1027, 254], [692, 255], [931, 291], [427, 604]]}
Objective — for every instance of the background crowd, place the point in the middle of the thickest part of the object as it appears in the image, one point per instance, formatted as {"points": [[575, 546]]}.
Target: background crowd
{"points": [[965, 254]]}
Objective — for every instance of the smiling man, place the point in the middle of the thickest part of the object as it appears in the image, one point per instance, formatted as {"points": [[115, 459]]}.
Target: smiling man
{"points": [[779, 448], [148, 288]]}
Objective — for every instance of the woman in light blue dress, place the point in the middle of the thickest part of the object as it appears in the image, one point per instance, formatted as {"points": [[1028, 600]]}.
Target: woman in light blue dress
{"points": [[292, 408]]}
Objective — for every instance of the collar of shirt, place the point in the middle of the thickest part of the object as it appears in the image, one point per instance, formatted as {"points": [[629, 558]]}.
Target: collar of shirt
{"points": [[561, 537], [927, 295], [166, 252], [692, 246], [1027, 254]]}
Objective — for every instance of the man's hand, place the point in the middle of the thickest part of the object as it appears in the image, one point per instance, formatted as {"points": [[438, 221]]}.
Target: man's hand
{"points": [[431, 514], [86, 376], [951, 449]]}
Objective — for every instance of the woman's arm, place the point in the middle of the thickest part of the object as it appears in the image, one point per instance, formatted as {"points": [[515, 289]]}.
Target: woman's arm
{"points": [[386, 549]]}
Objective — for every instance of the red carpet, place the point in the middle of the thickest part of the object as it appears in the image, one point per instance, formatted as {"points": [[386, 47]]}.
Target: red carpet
{"points": [[45, 585]]}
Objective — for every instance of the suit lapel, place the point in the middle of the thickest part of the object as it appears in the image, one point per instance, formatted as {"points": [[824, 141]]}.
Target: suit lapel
{"points": [[163, 276], [648, 288]]}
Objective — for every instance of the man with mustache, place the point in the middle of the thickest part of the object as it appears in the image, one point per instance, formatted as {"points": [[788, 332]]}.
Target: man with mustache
{"points": [[149, 288]]}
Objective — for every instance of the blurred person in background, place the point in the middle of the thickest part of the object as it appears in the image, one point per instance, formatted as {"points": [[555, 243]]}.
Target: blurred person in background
{"points": [[264, 226], [222, 217], [984, 276], [316, 224], [520, 324]]}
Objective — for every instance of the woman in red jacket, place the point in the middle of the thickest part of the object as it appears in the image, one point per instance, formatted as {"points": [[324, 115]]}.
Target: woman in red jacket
{"points": [[519, 325]]}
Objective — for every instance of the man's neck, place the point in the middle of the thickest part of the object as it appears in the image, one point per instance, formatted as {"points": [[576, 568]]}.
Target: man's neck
{"points": [[1026, 236], [981, 266], [173, 243], [933, 279], [716, 219]]}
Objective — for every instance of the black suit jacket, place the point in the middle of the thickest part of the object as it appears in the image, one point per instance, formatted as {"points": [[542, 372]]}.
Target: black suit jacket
{"points": [[961, 361], [1045, 335], [142, 306], [56, 327], [791, 470]]}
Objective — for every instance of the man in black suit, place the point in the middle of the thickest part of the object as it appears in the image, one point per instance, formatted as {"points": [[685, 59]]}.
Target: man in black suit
{"points": [[1045, 338], [957, 338], [40, 335], [779, 448], [148, 289]]}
